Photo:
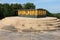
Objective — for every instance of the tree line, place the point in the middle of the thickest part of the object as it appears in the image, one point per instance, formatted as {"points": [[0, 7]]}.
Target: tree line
{"points": [[7, 10], [57, 15]]}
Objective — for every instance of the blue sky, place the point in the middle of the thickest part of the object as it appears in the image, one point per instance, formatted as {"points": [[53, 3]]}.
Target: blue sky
{"points": [[51, 5]]}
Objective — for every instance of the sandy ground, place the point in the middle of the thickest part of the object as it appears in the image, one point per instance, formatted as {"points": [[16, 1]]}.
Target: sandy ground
{"points": [[30, 36], [47, 23], [23, 23]]}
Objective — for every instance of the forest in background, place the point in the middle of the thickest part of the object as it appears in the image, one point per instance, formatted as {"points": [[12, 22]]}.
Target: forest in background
{"points": [[7, 10]]}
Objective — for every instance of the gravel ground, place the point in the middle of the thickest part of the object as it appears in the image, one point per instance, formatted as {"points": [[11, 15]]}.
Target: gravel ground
{"points": [[4, 35]]}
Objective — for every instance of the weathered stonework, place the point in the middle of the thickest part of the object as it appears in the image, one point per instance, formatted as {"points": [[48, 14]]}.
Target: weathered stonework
{"points": [[32, 13]]}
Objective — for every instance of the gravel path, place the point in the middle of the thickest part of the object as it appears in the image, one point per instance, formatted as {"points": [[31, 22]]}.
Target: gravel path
{"points": [[29, 36]]}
